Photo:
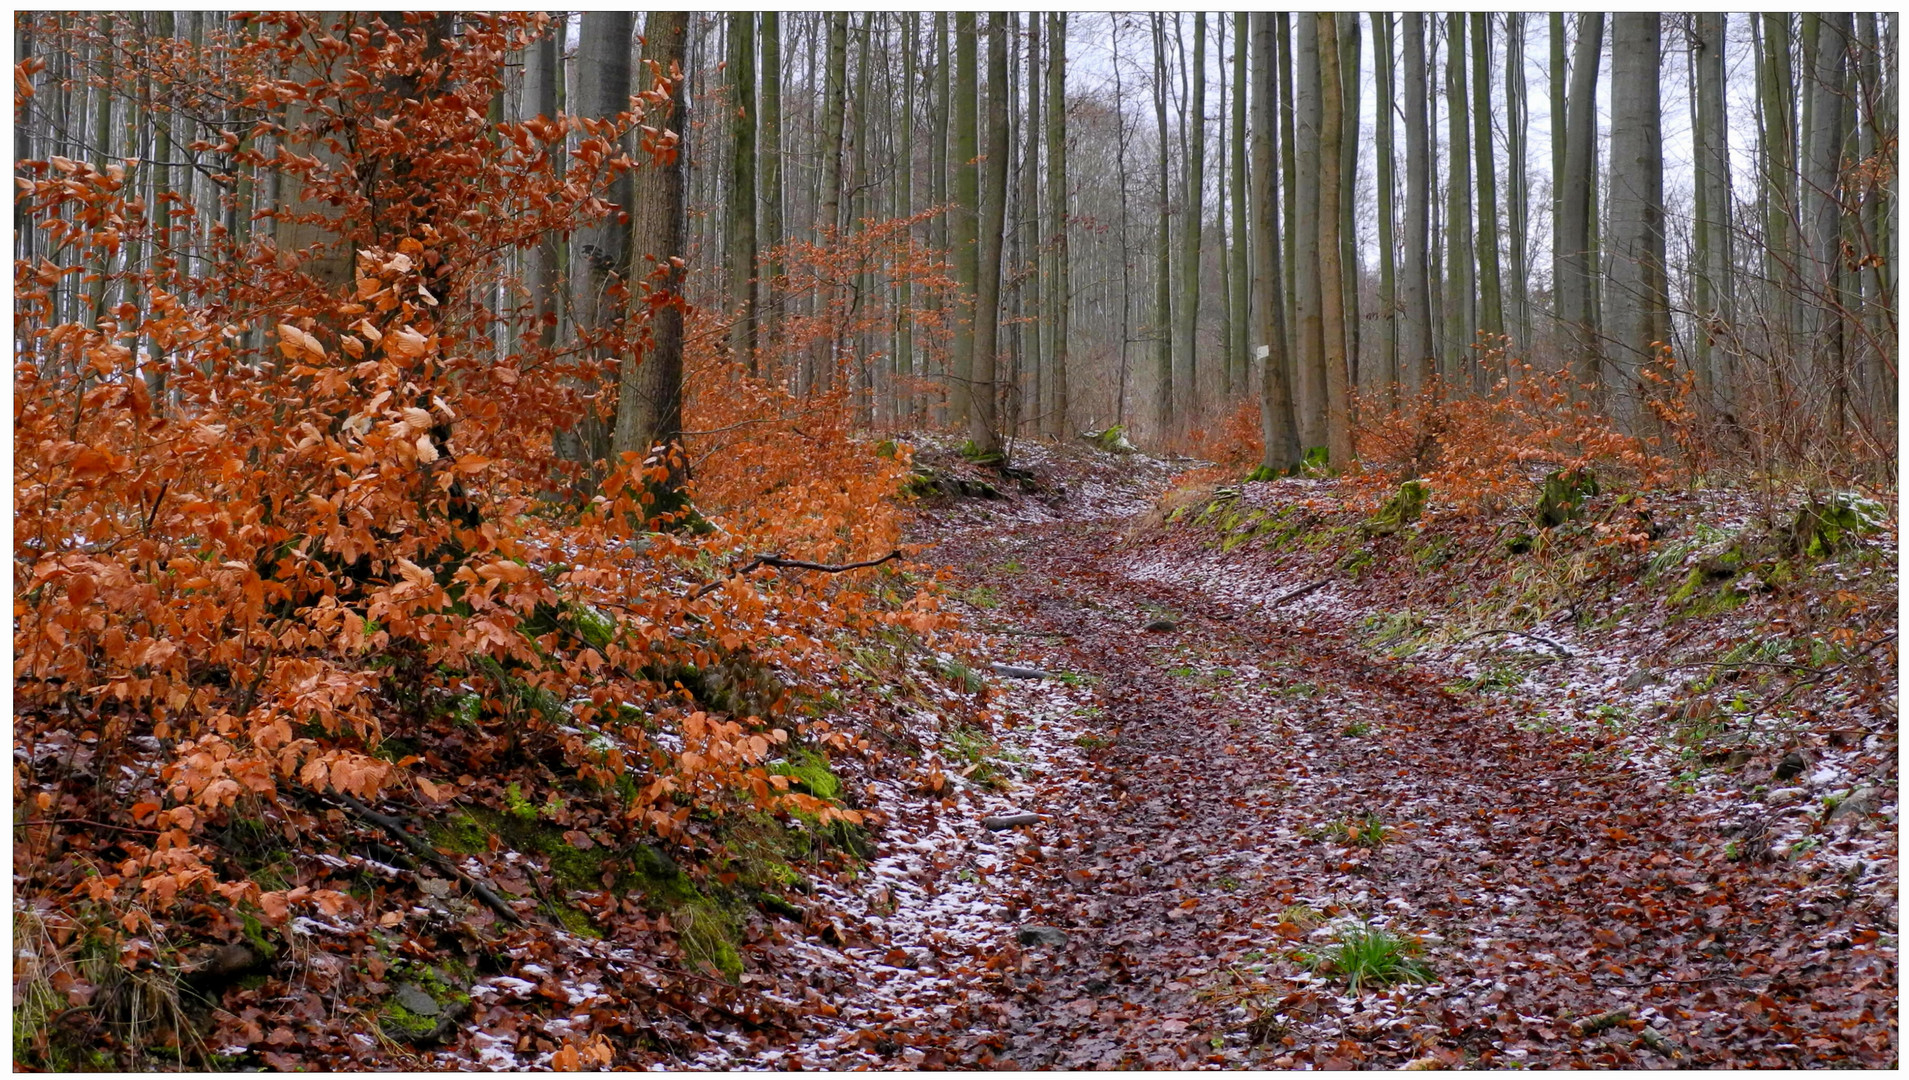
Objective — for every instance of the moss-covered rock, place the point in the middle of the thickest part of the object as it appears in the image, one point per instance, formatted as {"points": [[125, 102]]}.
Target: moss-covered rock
{"points": [[1564, 496]]}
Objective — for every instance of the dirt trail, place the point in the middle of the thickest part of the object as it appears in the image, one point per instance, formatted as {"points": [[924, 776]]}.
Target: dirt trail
{"points": [[1222, 774]]}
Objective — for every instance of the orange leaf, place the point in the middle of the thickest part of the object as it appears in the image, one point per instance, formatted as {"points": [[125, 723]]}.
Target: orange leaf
{"points": [[80, 589]]}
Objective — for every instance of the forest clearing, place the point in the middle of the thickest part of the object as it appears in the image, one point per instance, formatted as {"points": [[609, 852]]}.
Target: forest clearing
{"points": [[828, 540]]}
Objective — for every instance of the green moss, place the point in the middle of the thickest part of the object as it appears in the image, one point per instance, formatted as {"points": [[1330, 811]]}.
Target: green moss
{"points": [[1563, 497], [1403, 508], [811, 774]]}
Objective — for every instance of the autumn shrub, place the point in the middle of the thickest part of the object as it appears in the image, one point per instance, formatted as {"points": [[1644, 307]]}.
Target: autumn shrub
{"points": [[1233, 440], [289, 545], [1482, 453]]}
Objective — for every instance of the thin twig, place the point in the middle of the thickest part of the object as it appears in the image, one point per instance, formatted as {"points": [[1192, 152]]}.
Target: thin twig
{"points": [[791, 564]]}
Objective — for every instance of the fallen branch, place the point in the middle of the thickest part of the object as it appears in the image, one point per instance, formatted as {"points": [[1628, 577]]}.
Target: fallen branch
{"points": [[1294, 594], [425, 851], [791, 564]]}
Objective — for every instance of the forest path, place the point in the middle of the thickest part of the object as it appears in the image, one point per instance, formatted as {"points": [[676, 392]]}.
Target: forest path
{"points": [[1251, 782]]}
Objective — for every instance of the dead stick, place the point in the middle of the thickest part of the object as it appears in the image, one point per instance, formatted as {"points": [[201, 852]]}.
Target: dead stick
{"points": [[425, 851], [791, 564]]}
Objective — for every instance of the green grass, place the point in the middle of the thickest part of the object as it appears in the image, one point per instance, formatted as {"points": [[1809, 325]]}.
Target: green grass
{"points": [[1367, 956], [1366, 831]]}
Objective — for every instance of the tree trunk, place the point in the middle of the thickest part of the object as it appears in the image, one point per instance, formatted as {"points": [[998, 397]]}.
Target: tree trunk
{"points": [[1559, 125], [1638, 301], [600, 251], [1163, 250], [742, 186], [1059, 298], [1028, 223], [1416, 350], [1288, 191], [649, 411], [1461, 294], [1186, 371], [904, 389], [940, 229], [1350, 75], [1823, 210], [994, 190], [1715, 278], [1577, 304], [1280, 437], [1331, 269], [1518, 198], [1491, 311], [965, 227], [1310, 386], [1779, 174], [1238, 361], [1383, 34]]}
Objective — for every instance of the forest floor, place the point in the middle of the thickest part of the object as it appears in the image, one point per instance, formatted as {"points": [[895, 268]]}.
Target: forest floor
{"points": [[1264, 768], [1297, 786]]}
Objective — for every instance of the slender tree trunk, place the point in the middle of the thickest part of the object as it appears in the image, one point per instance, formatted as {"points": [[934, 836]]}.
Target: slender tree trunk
{"points": [[543, 76], [1028, 223], [1163, 252], [994, 184], [863, 291], [1461, 294], [1288, 191], [1220, 225], [1518, 199], [1578, 305], [1715, 277], [1310, 386], [1350, 75], [1058, 295], [1491, 312], [1126, 248], [1559, 126], [650, 401], [1779, 107], [1385, 72], [1239, 363], [940, 235], [1416, 351], [1873, 135], [905, 396], [1331, 270], [966, 226], [1277, 430], [770, 186], [1823, 210], [1638, 301], [1186, 372], [742, 186]]}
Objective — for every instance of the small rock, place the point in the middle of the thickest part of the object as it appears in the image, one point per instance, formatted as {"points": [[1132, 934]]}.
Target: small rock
{"points": [[413, 997], [1860, 801], [1042, 935], [1786, 796], [1009, 821], [1162, 626], [1793, 763]]}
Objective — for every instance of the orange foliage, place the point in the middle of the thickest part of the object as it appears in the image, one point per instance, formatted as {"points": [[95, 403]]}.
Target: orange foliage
{"points": [[1480, 453], [311, 540]]}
